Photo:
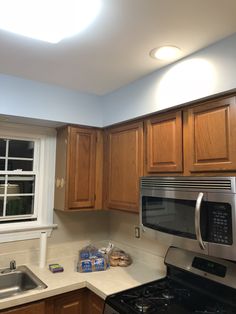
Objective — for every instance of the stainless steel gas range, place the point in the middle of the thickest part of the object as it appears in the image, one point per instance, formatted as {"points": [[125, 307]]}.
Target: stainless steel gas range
{"points": [[194, 283]]}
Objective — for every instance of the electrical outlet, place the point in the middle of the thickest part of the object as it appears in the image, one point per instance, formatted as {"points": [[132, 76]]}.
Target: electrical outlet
{"points": [[137, 232]]}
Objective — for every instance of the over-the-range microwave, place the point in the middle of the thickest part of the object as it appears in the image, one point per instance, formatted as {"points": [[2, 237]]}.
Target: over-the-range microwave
{"points": [[198, 213]]}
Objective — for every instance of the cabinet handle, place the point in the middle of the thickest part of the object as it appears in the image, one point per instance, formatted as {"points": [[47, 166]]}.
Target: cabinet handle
{"points": [[197, 221]]}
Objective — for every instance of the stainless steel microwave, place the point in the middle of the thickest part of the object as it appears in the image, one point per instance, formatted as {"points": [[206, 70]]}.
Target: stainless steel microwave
{"points": [[199, 212]]}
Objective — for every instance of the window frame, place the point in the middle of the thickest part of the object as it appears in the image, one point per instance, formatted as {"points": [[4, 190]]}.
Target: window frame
{"points": [[44, 191]]}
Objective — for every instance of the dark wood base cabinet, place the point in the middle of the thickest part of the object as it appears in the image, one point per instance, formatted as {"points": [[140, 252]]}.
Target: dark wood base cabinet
{"points": [[32, 308], [95, 304], [81, 301]]}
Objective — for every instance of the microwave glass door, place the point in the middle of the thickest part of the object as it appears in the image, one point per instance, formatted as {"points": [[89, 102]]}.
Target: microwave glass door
{"points": [[173, 212]]}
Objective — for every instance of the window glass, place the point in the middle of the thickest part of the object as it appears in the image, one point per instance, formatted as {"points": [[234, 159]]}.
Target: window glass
{"points": [[2, 148], [20, 184], [2, 164], [21, 149], [2, 185], [19, 205], [16, 190], [23, 165]]}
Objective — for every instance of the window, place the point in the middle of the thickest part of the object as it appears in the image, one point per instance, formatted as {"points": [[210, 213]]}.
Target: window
{"points": [[17, 180], [27, 170]]}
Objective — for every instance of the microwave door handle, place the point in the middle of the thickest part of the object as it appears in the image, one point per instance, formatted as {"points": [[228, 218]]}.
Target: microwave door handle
{"points": [[197, 220]]}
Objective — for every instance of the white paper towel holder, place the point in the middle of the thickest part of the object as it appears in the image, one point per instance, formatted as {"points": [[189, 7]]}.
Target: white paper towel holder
{"points": [[43, 249]]}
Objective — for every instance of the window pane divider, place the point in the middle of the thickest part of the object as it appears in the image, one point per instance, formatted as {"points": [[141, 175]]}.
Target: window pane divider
{"points": [[21, 194], [20, 158], [18, 173]]}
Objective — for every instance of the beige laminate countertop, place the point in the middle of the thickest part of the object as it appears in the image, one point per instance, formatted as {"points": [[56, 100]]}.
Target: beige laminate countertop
{"points": [[102, 283]]}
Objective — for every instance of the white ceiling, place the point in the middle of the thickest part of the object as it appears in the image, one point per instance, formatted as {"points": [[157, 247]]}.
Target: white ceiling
{"points": [[114, 50]]}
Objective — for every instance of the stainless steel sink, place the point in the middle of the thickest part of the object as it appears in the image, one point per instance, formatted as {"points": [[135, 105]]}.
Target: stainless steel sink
{"points": [[17, 281]]}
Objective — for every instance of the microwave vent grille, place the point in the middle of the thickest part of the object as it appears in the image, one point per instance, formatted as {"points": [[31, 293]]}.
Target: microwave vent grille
{"points": [[225, 184]]}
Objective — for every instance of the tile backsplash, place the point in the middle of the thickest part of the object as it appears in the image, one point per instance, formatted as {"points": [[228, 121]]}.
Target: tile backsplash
{"points": [[77, 229]]}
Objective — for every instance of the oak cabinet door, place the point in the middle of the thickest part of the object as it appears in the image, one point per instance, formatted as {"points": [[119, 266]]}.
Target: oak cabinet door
{"points": [[211, 132], [164, 147], [82, 157], [78, 169], [33, 308], [124, 166]]}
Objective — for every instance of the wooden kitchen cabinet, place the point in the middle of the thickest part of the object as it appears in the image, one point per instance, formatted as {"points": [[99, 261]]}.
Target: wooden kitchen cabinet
{"points": [[68, 303], [82, 301], [79, 168], [124, 166], [32, 308], [201, 141], [164, 143], [95, 304], [211, 136]]}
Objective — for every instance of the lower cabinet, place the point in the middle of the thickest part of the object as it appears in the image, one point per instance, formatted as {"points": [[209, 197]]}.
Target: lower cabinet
{"points": [[32, 308], [81, 301], [67, 303], [95, 304]]}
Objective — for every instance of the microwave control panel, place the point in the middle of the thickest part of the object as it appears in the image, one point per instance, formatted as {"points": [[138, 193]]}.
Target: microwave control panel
{"points": [[220, 223]]}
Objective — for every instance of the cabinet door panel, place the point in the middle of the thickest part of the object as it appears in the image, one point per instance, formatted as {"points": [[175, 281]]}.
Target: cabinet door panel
{"points": [[82, 164], [164, 143], [212, 136], [95, 303], [69, 304], [125, 166], [34, 308]]}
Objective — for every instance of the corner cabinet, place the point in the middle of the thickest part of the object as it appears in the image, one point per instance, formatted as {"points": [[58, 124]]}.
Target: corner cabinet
{"points": [[211, 136], [164, 143], [78, 183], [124, 166]]}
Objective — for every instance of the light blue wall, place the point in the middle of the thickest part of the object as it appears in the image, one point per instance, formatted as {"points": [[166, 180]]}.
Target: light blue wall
{"points": [[31, 99], [207, 72]]}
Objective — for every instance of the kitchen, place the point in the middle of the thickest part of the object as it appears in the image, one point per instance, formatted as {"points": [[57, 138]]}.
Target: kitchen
{"points": [[31, 101]]}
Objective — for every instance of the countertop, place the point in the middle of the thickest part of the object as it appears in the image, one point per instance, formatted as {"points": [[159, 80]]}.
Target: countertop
{"points": [[103, 283]]}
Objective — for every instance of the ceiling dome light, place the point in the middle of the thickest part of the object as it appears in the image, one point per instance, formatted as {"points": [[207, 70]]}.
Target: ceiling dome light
{"points": [[47, 20], [166, 53]]}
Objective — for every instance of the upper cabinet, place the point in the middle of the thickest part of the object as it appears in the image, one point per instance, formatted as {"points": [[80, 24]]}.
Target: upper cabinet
{"points": [[211, 136], [124, 166], [198, 139], [78, 169], [164, 143]]}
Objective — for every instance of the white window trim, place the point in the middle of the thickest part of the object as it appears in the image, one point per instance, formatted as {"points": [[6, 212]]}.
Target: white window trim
{"points": [[45, 198]]}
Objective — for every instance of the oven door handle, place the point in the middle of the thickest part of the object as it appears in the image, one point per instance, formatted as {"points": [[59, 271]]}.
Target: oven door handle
{"points": [[197, 221]]}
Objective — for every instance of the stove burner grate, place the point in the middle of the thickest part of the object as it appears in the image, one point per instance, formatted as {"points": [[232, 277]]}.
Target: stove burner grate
{"points": [[143, 305], [169, 296]]}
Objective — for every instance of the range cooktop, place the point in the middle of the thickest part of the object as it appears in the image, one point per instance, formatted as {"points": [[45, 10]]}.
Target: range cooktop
{"points": [[188, 290]]}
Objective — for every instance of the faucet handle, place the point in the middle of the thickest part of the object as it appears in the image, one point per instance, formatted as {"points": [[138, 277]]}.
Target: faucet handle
{"points": [[12, 265]]}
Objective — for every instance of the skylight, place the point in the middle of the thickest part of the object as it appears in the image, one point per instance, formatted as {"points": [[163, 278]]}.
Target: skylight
{"points": [[47, 20]]}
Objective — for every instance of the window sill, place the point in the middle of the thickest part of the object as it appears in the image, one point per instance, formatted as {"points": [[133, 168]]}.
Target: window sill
{"points": [[26, 233]]}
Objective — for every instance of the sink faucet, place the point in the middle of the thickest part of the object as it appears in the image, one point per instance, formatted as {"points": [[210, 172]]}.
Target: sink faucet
{"points": [[12, 265]]}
